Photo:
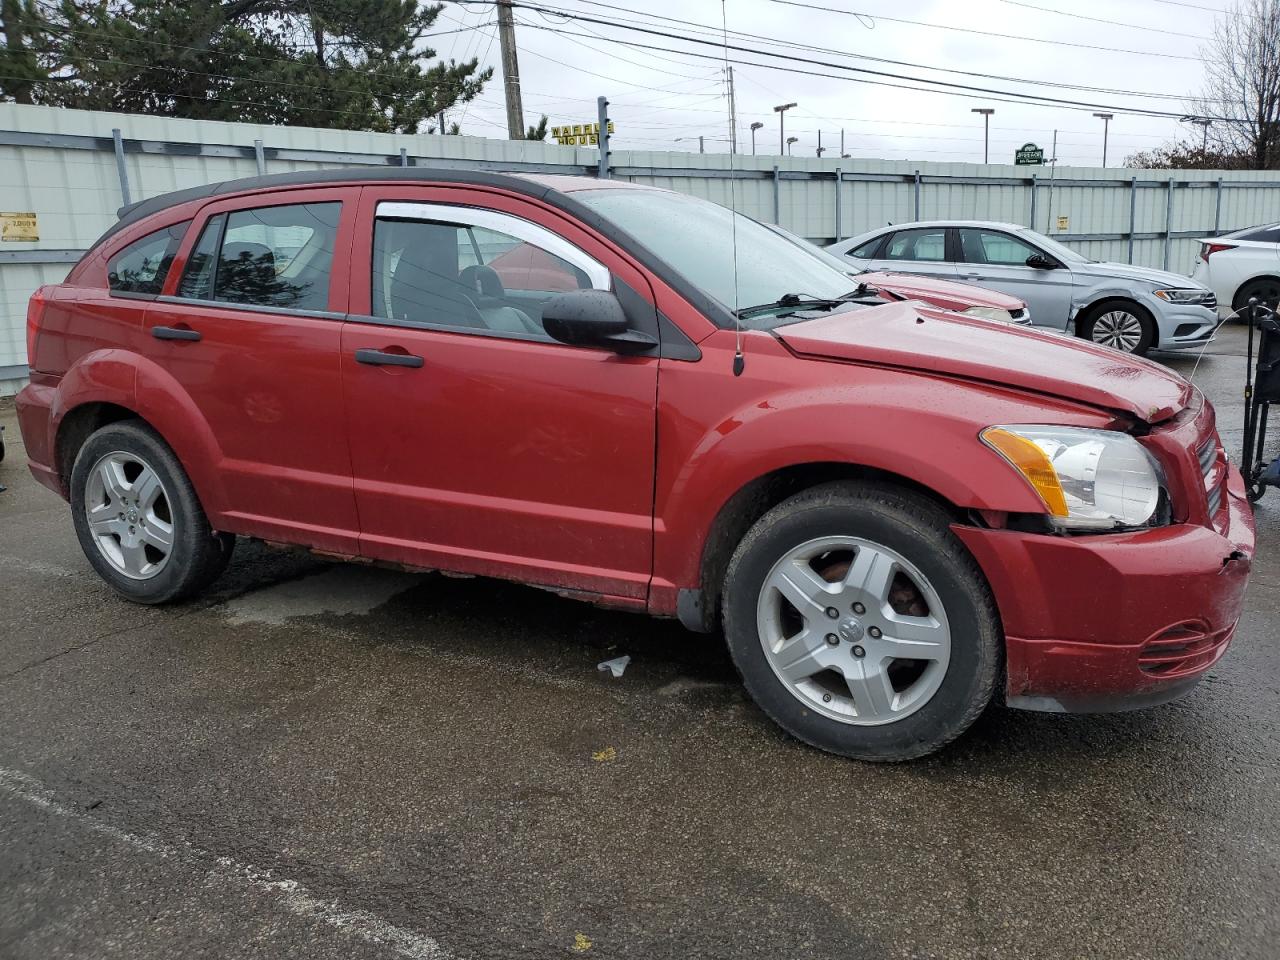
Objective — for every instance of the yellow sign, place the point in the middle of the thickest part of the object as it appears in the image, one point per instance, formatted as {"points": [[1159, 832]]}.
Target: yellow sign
{"points": [[1063, 223], [19, 226], [579, 134]]}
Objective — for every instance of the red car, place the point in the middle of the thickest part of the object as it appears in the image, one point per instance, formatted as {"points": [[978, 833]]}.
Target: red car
{"points": [[893, 513]]}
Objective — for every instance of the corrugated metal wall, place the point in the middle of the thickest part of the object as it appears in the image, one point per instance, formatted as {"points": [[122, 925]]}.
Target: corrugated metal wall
{"points": [[64, 166]]}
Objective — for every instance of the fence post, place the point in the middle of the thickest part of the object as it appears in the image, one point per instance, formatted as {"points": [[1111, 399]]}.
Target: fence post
{"points": [[1133, 213], [1217, 209], [839, 237], [404, 156], [1035, 183], [777, 196], [259, 157], [1168, 224], [120, 167], [917, 216]]}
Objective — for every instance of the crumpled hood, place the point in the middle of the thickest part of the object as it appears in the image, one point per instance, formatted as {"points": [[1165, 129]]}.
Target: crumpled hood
{"points": [[1127, 271], [949, 293], [903, 335]]}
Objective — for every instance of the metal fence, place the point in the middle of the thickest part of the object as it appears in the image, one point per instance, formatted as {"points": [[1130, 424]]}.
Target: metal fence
{"points": [[73, 169]]}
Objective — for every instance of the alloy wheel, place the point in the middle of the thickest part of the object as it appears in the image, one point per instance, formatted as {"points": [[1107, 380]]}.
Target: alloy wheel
{"points": [[1119, 329], [129, 515], [854, 630]]}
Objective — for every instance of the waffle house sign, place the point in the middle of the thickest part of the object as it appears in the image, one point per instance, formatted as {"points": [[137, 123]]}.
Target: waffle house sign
{"points": [[578, 134]]}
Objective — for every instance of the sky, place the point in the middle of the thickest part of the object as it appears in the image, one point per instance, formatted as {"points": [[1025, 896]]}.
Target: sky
{"points": [[657, 97]]}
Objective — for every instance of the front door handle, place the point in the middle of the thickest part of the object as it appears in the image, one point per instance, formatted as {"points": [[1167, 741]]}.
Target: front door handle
{"points": [[380, 358], [175, 333]]}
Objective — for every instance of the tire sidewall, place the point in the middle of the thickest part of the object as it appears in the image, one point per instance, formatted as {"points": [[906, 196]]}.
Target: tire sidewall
{"points": [[1144, 317], [188, 518], [969, 681]]}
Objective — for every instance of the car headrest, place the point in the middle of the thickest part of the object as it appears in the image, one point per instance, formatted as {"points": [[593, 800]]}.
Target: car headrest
{"points": [[483, 281]]}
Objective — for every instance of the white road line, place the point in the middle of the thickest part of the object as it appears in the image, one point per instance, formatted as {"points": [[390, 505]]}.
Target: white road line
{"points": [[287, 893]]}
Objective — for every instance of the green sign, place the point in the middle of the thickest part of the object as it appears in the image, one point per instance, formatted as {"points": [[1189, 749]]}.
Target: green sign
{"points": [[1028, 154]]}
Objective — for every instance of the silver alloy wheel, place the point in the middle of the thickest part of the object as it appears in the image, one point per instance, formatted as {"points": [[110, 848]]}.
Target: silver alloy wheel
{"points": [[129, 515], [854, 630], [1119, 329]]}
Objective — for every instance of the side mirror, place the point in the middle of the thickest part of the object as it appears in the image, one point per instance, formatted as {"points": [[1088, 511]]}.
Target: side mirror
{"points": [[593, 318], [1040, 262]]}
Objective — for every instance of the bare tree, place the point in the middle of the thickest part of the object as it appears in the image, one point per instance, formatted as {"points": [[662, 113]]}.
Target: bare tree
{"points": [[1241, 93]]}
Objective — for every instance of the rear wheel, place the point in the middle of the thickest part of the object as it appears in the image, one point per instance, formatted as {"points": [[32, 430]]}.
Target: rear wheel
{"points": [[1120, 325], [138, 519], [1266, 289], [860, 624]]}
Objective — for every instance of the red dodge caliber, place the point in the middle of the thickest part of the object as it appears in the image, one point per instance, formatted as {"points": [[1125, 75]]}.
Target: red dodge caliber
{"points": [[639, 398]]}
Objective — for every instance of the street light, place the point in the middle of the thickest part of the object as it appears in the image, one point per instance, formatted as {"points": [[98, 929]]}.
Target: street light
{"points": [[754, 127], [780, 110], [986, 130], [1106, 125], [700, 149], [790, 141], [1203, 123]]}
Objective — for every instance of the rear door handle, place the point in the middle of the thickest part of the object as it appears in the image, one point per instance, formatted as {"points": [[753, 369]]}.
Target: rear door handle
{"points": [[380, 358], [175, 333]]}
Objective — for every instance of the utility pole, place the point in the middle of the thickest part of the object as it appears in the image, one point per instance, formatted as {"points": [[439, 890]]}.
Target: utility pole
{"points": [[602, 137], [986, 131], [733, 116], [510, 71], [780, 111], [1106, 123], [754, 127], [1053, 168], [821, 148]]}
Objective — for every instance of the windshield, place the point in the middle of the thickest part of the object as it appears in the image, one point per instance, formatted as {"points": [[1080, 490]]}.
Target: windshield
{"points": [[1054, 247], [696, 238]]}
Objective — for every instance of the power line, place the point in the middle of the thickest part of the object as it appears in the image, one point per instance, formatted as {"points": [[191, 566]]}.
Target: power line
{"points": [[1113, 23], [988, 33]]}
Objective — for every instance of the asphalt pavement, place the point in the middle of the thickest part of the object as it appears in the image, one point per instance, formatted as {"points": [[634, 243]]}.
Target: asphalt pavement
{"points": [[320, 760]]}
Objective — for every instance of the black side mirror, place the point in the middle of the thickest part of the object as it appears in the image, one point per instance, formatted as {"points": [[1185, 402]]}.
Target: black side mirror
{"points": [[593, 318], [1040, 262]]}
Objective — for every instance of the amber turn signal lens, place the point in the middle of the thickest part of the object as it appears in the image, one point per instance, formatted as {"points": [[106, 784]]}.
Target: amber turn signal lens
{"points": [[1033, 463]]}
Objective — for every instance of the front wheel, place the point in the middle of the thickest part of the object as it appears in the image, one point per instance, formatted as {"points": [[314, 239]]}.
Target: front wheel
{"points": [[860, 624], [1123, 326], [138, 519]]}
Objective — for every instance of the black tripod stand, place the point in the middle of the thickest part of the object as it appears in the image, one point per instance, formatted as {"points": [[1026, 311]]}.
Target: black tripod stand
{"points": [[1259, 393]]}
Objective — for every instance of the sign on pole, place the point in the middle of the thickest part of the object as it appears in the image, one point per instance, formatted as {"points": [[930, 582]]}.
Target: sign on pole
{"points": [[578, 134], [1027, 155]]}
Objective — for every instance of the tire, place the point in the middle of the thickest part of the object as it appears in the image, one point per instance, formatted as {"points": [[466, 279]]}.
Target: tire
{"points": [[137, 489], [1266, 289], [912, 535], [1120, 324]]}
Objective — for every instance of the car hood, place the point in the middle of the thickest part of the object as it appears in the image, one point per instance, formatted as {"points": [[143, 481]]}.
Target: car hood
{"points": [[954, 293], [933, 341], [1126, 271]]}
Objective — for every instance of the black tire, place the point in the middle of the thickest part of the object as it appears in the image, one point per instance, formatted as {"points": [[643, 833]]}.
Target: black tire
{"points": [[1092, 314], [1266, 289], [198, 556], [918, 530]]}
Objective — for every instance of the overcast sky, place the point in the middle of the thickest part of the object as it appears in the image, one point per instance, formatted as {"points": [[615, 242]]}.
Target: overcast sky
{"points": [[657, 97]]}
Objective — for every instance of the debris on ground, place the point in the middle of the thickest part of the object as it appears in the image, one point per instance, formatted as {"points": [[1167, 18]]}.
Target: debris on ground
{"points": [[615, 666], [605, 755]]}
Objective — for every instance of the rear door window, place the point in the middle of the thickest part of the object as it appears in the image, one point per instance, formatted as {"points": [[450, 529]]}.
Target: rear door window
{"points": [[140, 268], [867, 251], [279, 257], [927, 245]]}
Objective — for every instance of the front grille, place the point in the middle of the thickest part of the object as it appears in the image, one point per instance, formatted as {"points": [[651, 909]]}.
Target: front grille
{"points": [[1182, 649], [1208, 457]]}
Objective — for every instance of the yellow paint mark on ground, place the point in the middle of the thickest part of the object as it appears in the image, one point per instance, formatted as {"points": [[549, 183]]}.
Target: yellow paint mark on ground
{"points": [[581, 942], [605, 755]]}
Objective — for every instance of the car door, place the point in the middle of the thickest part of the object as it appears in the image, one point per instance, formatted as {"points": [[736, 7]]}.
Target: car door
{"points": [[251, 331], [998, 259], [921, 250], [479, 444]]}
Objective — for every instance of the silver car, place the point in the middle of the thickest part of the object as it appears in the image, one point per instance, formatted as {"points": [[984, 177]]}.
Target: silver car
{"points": [[1130, 308]]}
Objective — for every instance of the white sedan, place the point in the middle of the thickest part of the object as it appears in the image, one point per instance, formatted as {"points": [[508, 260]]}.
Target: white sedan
{"points": [[1240, 265]]}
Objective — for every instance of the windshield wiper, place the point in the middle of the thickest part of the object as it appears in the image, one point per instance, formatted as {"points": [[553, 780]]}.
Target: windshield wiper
{"points": [[792, 302]]}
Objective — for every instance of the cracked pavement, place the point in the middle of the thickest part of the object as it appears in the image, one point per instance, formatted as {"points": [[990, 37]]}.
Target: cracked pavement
{"points": [[317, 760]]}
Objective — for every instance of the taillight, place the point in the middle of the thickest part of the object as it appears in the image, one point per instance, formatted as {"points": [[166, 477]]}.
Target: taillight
{"points": [[1208, 249], [35, 314]]}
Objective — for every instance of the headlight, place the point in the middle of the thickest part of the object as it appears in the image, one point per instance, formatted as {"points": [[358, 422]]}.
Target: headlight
{"points": [[1180, 295], [1088, 479], [989, 313]]}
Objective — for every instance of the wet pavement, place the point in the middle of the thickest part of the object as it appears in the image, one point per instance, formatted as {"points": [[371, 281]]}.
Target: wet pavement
{"points": [[320, 761]]}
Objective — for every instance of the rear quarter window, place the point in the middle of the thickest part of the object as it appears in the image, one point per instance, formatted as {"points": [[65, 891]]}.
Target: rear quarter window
{"points": [[141, 267]]}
